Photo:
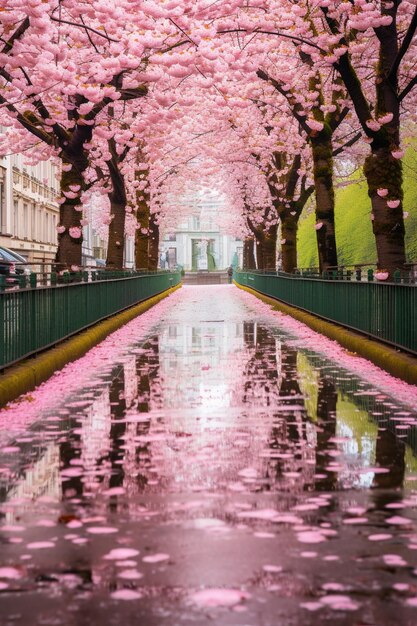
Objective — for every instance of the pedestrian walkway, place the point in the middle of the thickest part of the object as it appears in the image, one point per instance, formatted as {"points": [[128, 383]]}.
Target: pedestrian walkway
{"points": [[212, 462]]}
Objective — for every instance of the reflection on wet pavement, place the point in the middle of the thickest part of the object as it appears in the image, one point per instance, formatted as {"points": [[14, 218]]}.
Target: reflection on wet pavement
{"points": [[218, 473]]}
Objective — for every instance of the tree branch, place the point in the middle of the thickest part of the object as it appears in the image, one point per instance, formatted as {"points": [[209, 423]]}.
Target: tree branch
{"points": [[300, 119], [349, 143], [17, 33], [406, 42]]}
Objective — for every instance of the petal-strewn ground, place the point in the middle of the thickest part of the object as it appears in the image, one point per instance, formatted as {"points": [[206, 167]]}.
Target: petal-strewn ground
{"points": [[202, 467]]}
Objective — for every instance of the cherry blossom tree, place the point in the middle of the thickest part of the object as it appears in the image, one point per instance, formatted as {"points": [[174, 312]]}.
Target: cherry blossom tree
{"points": [[62, 73], [378, 92]]}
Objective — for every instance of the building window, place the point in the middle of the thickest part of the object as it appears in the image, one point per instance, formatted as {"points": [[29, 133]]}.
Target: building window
{"points": [[25, 221], [16, 218], [39, 225], [32, 222]]}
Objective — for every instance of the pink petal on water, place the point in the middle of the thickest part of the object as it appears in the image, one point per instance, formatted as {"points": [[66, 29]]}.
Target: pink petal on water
{"points": [[120, 553], [264, 514], [10, 572], [40, 545], [126, 594], [218, 597], [355, 520], [356, 510], [395, 560], [273, 569], [379, 537], [130, 574], [74, 523], [156, 558], [310, 536], [340, 603], [102, 530], [397, 520], [311, 606]]}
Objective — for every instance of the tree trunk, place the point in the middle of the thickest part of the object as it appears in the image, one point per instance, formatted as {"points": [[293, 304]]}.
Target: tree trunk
{"points": [[118, 200], [249, 262], [289, 228], [323, 182], [270, 248], [116, 241], [142, 233], [382, 171], [153, 243], [69, 252], [141, 250]]}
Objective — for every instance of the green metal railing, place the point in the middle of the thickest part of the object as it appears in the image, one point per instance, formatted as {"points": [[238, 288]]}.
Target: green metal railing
{"points": [[34, 318], [384, 311]]}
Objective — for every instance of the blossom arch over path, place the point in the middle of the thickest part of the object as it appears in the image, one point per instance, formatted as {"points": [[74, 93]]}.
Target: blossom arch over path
{"points": [[137, 102]]}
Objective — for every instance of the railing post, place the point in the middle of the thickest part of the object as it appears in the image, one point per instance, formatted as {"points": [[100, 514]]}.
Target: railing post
{"points": [[33, 280], [358, 274], [398, 275]]}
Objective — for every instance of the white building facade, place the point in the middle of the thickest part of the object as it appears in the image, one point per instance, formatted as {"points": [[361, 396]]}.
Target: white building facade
{"points": [[29, 212], [198, 242]]}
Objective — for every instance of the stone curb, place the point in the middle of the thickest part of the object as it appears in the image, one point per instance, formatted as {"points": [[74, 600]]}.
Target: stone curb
{"points": [[25, 376], [398, 364]]}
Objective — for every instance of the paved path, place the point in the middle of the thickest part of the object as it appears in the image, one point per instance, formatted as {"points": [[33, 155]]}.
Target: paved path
{"points": [[210, 464]]}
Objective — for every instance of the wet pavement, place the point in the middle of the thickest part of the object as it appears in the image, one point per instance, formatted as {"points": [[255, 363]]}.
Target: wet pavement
{"points": [[218, 471]]}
